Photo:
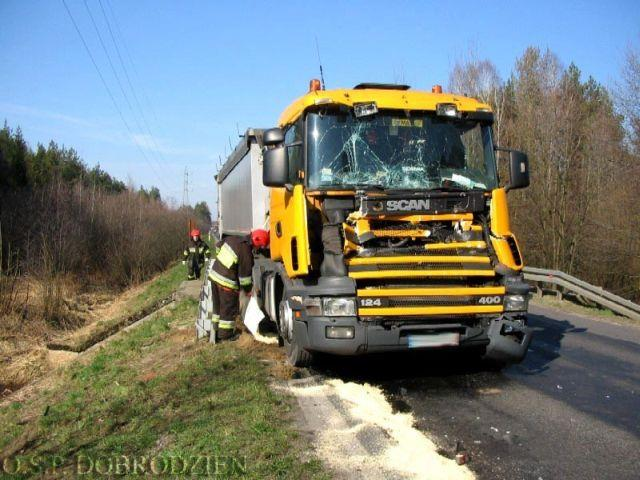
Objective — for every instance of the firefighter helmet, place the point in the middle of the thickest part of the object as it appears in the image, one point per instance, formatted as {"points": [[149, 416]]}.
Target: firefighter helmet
{"points": [[195, 232], [259, 238]]}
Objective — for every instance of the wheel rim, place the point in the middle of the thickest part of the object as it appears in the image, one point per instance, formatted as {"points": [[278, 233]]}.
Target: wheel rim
{"points": [[286, 321]]}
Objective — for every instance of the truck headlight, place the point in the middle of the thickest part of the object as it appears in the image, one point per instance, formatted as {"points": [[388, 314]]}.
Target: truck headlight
{"points": [[313, 306], [339, 307], [515, 302]]}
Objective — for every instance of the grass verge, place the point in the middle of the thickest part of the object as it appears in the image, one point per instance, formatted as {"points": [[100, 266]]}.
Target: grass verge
{"points": [[160, 288], [156, 293], [573, 307], [155, 395]]}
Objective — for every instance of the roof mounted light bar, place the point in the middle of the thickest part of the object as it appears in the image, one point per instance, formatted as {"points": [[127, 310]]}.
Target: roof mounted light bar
{"points": [[381, 86]]}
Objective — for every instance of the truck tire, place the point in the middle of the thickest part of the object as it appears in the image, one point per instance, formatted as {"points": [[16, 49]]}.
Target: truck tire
{"points": [[296, 355]]}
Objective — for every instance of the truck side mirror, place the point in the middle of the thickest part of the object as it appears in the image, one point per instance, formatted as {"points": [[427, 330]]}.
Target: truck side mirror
{"points": [[273, 136], [275, 168], [518, 169]]}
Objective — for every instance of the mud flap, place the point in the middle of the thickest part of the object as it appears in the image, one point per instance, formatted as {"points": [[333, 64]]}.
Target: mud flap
{"points": [[508, 341]]}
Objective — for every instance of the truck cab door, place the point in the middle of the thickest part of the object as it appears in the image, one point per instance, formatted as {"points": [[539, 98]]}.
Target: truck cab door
{"points": [[289, 230]]}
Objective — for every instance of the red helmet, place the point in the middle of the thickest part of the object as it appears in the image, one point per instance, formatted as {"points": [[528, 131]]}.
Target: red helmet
{"points": [[195, 232], [259, 238]]}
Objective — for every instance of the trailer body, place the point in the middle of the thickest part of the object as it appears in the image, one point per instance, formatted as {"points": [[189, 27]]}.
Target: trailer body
{"points": [[243, 200]]}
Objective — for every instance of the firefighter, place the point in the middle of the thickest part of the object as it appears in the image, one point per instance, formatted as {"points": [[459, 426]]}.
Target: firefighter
{"points": [[231, 271], [195, 254]]}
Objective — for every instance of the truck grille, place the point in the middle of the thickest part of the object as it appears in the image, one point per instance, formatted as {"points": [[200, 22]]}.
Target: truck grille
{"points": [[425, 301], [474, 248], [435, 300], [421, 266], [449, 281]]}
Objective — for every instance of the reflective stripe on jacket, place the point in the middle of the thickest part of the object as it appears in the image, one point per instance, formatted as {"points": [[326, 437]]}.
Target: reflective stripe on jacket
{"points": [[222, 280], [200, 248], [233, 264]]}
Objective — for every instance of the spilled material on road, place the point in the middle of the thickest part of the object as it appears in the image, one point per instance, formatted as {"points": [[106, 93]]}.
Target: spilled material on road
{"points": [[358, 433]]}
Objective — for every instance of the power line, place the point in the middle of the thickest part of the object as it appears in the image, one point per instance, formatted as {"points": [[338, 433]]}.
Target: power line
{"points": [[132, 63], [128, 78], [113, 40], [106, 52], [120, 38], [106, 86], [115, 73]]}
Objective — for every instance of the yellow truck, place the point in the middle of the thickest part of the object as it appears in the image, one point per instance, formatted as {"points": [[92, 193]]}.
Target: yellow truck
{"points": [[389, 226]]}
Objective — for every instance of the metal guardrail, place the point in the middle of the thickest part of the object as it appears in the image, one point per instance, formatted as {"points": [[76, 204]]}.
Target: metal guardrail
{"points": [[597, 295]]}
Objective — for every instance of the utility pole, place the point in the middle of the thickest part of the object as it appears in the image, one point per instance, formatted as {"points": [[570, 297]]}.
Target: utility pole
{"points": [[185, 188]]}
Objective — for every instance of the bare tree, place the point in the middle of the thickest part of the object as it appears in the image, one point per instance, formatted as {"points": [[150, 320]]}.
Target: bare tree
{"points": [[628, 96], [477, 78], [578, 212]]}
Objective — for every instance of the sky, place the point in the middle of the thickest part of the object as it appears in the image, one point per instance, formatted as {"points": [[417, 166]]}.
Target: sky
{"points": [[190, 75]]}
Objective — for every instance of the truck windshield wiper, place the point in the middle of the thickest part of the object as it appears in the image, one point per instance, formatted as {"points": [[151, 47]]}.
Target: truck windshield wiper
{"points": [[449, 189], [372, 186]]}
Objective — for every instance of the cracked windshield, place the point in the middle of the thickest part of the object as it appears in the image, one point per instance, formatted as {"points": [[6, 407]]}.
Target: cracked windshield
{"points": [[398, 150]]}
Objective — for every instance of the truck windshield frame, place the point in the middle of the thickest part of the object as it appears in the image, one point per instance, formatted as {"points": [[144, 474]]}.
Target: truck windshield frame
{"points": [[398, 150]]}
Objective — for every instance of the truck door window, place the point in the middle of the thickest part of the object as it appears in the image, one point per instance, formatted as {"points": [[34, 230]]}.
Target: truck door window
{"points": [[293, 140]]}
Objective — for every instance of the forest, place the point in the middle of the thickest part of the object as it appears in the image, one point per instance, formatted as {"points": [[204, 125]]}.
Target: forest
{"points": [[66, 229], [581, 212]]}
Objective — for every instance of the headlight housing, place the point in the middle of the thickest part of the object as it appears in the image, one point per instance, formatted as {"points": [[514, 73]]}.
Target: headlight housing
{"points": [[313, 306], [365, 109], [515, 302], [339, 307], [447, 110], [330, 306]]}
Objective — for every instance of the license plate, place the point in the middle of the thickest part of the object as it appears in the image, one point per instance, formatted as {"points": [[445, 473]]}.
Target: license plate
{"points": [[434, 340]]}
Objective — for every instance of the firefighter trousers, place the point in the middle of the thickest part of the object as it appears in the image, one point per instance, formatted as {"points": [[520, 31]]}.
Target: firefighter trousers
{"points": [[194, 266], [226, 308]]}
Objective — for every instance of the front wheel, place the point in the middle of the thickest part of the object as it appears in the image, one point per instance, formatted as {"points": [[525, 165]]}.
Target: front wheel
{"points": [[296, 355]]}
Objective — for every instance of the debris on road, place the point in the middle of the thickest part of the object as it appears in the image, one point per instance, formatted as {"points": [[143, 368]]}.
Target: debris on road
{"points": [[356, 432]]}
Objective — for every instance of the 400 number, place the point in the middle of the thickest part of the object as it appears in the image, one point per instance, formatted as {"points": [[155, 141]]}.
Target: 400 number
{"points": [[494, 300]]}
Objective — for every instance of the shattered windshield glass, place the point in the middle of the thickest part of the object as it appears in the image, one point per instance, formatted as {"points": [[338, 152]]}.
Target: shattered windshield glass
{"points": [[399, 150]]}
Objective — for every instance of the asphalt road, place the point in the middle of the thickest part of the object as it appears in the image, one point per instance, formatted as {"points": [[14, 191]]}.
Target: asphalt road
{"points": [[571, 410]]}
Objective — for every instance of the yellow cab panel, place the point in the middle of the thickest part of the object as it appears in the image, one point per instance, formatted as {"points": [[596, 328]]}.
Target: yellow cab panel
{"points": [[503, 240], [289, 231]]}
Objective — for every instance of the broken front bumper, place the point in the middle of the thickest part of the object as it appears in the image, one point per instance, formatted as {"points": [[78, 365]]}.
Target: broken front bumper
{"points": [[508, 340], [372, 337]]}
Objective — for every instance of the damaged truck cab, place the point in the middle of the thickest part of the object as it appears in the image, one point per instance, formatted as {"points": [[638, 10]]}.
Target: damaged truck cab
{"points": [[389, 228]]}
